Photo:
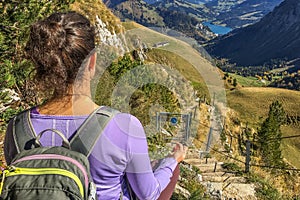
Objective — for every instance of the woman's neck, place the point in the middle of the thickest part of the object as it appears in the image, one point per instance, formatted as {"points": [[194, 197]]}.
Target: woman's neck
{"points": [[73, 104]]}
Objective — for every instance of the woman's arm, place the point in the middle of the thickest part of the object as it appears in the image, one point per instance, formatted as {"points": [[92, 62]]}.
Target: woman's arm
{"points": [[145, 183], [149, 185]]}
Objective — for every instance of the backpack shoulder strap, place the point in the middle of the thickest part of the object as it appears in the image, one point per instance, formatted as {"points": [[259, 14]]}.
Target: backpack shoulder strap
{"points": [[88, 133], [23, 133]]}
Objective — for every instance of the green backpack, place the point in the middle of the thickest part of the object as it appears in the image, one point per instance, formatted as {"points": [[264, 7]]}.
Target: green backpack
{"points": [[58, 172]]}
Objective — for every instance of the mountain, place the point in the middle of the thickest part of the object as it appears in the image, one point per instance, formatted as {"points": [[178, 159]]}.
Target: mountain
{"points": [[190, 1], [276, 36], [194, 10], [112, 3], [136, 10], [199, 11], [231, 13], [239, 13], [174, 14], [152, 1]]}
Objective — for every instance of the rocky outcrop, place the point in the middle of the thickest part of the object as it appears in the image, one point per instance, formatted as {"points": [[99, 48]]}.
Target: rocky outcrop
{"points": [[107, 37], [7, 98]]}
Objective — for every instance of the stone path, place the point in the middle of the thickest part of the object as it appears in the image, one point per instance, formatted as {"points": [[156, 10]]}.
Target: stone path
{"points": [[221, 184]]}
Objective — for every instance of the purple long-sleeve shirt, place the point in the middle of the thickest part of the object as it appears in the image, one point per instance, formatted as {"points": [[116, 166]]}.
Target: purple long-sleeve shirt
{"points": [[122, 148]]}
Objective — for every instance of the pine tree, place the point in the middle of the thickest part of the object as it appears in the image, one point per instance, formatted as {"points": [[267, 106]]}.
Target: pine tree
{"points": [[270, 135], [234, 82]]}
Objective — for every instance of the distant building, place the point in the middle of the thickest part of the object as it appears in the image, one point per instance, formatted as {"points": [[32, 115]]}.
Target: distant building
{"points": [[160, 44]]}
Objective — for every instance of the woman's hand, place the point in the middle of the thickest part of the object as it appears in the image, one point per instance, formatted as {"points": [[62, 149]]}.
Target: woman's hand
{"points": [[179, 152]]}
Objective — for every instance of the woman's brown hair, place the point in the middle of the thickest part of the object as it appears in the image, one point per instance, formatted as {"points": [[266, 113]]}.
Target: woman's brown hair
{"points": [[58, 45]]}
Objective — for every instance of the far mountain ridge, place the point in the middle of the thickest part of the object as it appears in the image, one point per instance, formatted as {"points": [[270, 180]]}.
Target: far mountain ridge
{"points": [[190, 1], [276, 36], [231, 13], [240, 13], [184, 15], [156, 16]]}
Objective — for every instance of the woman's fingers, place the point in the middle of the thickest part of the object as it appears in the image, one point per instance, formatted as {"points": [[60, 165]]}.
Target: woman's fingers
{"points": [[179, 152]]}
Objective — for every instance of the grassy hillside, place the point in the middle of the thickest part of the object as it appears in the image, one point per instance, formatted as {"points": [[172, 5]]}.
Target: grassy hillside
{"points": [[253, 102], [291, 147], [178, 55], [138, 11], [252, 105], [248, 81], [184, 67]]}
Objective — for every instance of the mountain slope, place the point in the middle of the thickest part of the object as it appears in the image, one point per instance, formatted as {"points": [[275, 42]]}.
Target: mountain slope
{"points": [[175, 14], [136, 10], [190, 1], [240, 13], [232, 13], [276, 36], [200, 11]]}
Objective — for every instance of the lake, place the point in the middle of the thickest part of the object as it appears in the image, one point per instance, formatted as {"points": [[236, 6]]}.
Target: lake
{"points": [[217, 29]]}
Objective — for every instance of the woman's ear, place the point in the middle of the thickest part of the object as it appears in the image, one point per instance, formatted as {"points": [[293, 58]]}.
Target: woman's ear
{"points": [[92, 63]]}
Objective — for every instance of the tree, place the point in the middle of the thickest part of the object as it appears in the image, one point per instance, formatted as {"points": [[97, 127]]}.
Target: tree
{"points": [[270, 135], [234, 82]]}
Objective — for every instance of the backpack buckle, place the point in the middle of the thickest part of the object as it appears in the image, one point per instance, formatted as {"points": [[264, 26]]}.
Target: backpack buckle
{"points": [[92, 191]]}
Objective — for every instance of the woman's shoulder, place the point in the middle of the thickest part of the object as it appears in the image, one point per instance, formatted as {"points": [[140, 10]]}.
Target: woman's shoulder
{"points": [[127, 118], [128, 123], [119, 116]]}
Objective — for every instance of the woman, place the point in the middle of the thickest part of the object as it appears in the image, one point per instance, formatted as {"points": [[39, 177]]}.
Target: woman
{"points": [[60, 46]]}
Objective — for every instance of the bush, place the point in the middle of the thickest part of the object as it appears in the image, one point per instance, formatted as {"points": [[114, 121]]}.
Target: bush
{"points": [[15, 70], [189, 182], [263, 189], [231, 167]]}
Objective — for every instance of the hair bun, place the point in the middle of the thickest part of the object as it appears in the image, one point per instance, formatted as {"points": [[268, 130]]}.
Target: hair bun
{"points": [[58, 45], [57, 36]]}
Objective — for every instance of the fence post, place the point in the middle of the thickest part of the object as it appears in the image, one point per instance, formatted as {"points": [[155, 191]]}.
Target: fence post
{"points": [[247, 164]]}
